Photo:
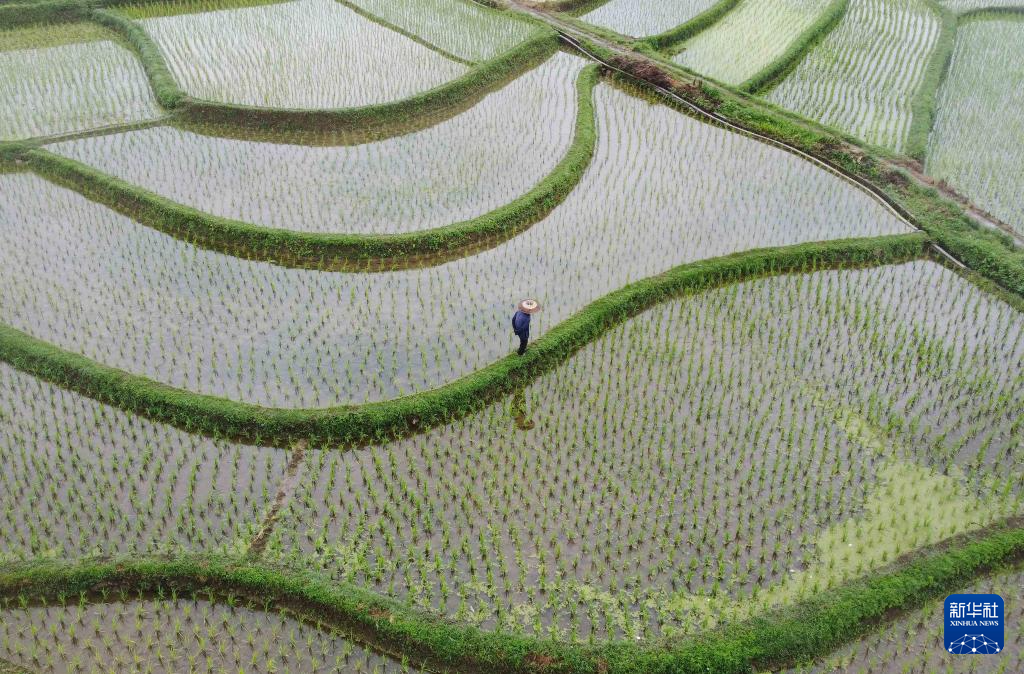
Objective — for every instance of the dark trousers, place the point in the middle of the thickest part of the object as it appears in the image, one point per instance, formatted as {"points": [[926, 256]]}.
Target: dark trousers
{"points": [[523, 339]]}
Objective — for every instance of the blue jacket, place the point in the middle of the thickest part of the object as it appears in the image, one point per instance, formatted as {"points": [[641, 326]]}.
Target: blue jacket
{"points": [[521, 324]]}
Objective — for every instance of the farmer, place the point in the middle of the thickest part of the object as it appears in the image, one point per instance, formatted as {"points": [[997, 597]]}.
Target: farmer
{"points": [[521, 322]]}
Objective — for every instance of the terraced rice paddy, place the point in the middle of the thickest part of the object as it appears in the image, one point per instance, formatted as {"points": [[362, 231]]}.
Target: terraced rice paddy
{"points": [[979, 123], [864, 74], [646, 488], [62, 79], [460, 169], [913, 645], [640, 17], [249, 56], [87, 280], [749, 38], [179, 634], [456, 27], [763, 419], [82, 478]]}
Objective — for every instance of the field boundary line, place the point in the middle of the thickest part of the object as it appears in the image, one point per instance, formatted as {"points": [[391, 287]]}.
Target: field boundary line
{"points": [[780, 637], [971, 244], [400, 114], [671, 40], [354, 425], [923, 106], [992, 13], [285, 491], [329, 251], [380, 21], [797, 51]]}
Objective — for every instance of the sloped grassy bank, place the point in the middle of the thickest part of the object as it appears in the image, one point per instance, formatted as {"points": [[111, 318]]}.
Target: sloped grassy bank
{"points": [[781, 637], [313, 250], [358, 424]]}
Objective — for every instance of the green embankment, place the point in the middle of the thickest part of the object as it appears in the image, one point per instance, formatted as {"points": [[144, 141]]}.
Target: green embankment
{"points": [[401, 116], [358, 424], [336, 251], [669, 40], [922, 107], [777, 70], [776, 639], [986, 251]]}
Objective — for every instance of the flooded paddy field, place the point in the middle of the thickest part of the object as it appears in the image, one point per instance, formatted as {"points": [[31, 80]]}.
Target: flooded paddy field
{"points": [[81, 478], [796, 448], [248, 56], [714, 456], [639, 18], [662, 190], [748, 38], [175, 634], [863, 76], [66, 78], [460, 169], [974, 145]]}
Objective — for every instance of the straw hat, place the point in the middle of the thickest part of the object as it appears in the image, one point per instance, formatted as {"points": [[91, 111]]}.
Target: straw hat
{"points": [[529, 306]]}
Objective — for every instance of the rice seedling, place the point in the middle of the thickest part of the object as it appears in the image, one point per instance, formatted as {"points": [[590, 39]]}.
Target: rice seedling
{"points": [[863, 76], [749, 38], [647, 487], [78, 276], [465, 29], [640, 18], [64, 78], [249, 56], [974, 145], [458, 170], [913, 644], [170, 633], [81, 478]]}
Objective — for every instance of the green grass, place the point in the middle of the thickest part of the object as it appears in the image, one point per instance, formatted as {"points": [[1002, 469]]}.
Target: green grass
{"points": [[783, 637], [776, 70], [669, 40], [869, 75], [358, 424], [336, 251], [925, 99]]}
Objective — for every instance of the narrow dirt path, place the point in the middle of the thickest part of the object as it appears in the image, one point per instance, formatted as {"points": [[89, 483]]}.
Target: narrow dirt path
{"points": [[284, 494]]}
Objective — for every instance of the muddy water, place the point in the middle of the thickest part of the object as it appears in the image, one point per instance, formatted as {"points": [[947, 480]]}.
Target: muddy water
{"points": [[684, 460], [663, 189], [81, 478], [177, 635], [250, 56], [458, 170]]}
